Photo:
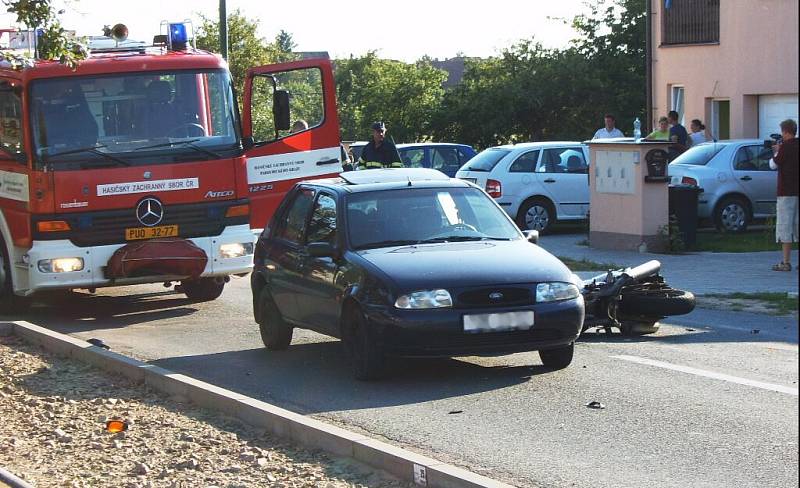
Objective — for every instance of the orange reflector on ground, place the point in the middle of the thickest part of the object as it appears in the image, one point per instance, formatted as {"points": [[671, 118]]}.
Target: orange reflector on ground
{"points": [[52, 226], [238, 210], [115, 426]]}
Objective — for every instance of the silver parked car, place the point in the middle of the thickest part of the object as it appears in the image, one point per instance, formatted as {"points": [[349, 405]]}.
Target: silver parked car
{"points": [[737, 182], [536, 183]]}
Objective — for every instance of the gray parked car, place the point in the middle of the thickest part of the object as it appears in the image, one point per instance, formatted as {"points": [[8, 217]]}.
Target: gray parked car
{"points": [[737, 183]]}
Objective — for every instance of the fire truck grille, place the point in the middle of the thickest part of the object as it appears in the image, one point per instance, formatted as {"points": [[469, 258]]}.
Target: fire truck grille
{"points": [[108, 227]]}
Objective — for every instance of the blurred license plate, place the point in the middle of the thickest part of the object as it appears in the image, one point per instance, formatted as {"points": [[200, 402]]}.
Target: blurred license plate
{"points": [[495, 322], [138, 233]]}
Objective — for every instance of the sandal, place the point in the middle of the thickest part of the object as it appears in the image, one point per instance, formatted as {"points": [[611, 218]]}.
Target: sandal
{"points": [[782, 267]]}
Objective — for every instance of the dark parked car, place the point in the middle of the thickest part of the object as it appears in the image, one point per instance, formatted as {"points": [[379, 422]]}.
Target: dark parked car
{"points": [[408, 262], [441, 156]]}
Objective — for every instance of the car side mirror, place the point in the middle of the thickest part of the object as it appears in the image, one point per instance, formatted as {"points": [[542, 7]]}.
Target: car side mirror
{"points": [[280, 109], [532, 236], [321, 250]]}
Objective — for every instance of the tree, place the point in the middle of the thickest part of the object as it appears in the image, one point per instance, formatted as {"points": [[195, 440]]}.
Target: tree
{"points": [[52, 43], [405, 96]]}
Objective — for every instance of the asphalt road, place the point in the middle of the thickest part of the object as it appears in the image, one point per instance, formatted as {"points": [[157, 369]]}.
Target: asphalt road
{"points": [[706, 402]]}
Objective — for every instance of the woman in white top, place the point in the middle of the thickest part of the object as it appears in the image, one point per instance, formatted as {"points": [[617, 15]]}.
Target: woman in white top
{"points": [[698, 134]]}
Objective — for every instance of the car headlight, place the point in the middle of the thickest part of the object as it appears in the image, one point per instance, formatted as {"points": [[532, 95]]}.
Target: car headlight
{"points": [[553, 292], [236, 250], [425, 299], [60, 265]]}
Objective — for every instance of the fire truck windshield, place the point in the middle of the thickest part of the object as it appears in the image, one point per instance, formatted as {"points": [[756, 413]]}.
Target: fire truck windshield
{"points": [[134, 118]]}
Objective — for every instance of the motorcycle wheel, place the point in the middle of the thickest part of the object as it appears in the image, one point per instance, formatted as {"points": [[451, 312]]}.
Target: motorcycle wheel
{"points": [[661, 301]]}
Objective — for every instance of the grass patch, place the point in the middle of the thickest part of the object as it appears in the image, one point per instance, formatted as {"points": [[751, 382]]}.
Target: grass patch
{"points": [[586, 265], [779, 303], [751, 241]]}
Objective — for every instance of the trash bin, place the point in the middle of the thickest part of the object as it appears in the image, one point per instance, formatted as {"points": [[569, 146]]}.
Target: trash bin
{"points": [[683, 205]]}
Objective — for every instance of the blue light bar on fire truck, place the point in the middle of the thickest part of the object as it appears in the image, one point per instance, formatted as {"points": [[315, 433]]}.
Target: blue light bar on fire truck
{"points": [[179, 34]]}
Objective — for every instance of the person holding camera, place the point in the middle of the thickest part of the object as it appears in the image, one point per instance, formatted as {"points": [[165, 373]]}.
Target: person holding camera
{"points": [[786, 160]]}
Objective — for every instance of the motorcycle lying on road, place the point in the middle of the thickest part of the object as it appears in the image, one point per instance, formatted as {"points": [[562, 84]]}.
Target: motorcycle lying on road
{"points": [[632, 300]]}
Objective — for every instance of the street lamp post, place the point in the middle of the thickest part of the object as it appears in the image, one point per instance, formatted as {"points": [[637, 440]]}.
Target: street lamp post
{"points": [[223, 29]]}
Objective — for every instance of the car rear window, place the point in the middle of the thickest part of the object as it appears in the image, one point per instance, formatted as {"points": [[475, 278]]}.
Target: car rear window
{"points": [[486, 160], [699, 155]]}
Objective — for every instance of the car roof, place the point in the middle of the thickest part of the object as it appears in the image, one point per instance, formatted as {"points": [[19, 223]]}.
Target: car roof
{"points": [[427, 144], [541, 144], [388, 179]]}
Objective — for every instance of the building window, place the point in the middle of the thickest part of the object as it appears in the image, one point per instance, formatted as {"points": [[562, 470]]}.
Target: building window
{"points": [[690, 21], [677, 102]]}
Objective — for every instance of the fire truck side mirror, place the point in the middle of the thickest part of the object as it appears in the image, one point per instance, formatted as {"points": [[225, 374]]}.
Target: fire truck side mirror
{"points": [[280, 110]]}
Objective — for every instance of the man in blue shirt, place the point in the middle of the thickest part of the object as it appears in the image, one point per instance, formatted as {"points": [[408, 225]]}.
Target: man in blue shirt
{"points": [[677, 134]]}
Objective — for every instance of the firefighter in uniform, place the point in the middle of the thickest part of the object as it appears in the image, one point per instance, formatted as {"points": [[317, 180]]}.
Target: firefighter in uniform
{"points": [[379, 152]]}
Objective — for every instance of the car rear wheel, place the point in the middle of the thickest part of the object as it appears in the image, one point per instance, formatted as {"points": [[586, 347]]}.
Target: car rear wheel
{"points": [[732, 215], [366, 355], [536, 214], [276, 334], [558, 358], [203, 289]]}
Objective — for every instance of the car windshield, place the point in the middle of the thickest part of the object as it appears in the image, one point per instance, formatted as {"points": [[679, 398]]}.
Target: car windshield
{"points": [[486, 160], [134, 118], [699, 155], [425, 215]]}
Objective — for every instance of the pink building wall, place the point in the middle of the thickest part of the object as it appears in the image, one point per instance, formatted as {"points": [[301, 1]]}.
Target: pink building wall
{"points": [[757, 55]]}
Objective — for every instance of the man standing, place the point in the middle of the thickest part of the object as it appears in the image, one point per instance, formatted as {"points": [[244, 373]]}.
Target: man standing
{"points": [[610, 130], [677, 134], [380, 153], [785, 160]]}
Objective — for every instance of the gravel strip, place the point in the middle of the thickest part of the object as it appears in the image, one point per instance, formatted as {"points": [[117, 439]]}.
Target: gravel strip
{"points": [[52, 433]]}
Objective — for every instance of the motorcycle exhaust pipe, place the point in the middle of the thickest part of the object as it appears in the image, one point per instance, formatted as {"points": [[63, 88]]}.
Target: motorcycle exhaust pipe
{"points": [[644, 270]]}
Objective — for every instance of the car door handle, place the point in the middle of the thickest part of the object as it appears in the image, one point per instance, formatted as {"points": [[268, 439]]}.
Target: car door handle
{"points": [[746, 178], [549, 180], [327, 161]]}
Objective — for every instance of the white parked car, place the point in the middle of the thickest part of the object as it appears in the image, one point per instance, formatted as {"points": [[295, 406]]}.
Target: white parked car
{"points": [[536, 183], [737, 183]]}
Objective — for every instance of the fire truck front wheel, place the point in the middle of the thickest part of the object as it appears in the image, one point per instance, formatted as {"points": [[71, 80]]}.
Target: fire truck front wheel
{"points": [[8, 301], [203, 289]]}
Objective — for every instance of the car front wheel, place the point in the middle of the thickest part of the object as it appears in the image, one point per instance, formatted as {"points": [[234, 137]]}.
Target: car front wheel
{"points": [[558, 358], [365, 353]]}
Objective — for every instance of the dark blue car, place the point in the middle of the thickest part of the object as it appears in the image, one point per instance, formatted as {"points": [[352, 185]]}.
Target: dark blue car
{"points": [[441, 156], [408, 262]]}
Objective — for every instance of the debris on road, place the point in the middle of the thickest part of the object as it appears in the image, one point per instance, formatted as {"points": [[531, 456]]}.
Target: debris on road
{"points": [[53, 433], [596, 405]]}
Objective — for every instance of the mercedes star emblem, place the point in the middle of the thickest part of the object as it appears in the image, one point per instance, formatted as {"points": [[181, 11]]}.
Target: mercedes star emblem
{"points": [[150, 212]]}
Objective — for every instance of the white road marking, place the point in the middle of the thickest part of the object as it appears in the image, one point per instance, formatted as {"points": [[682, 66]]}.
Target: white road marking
{"points": [[709, 374]]}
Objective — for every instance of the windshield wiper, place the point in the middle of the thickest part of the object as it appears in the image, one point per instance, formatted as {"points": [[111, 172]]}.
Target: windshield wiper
{"points": [[190, 144], [393, 243], [90, 149], [462, 239]]}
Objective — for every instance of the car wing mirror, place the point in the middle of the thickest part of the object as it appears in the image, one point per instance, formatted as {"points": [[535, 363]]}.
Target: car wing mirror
{"points": [[532, 236], [321, 250]]}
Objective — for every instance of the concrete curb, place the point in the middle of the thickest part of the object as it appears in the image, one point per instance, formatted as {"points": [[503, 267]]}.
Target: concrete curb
{"points": [[9, 479], [304, 431]]}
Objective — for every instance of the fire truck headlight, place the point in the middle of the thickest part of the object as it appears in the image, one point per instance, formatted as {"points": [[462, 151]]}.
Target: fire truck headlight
{"points": [[60, 265], [236, 250]]}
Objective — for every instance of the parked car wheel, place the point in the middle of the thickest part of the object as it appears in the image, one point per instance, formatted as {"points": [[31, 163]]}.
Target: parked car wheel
{"points": [[558, 358], [203, 289], [536, 214], [276, 334], [732, 214], [365, 353]]}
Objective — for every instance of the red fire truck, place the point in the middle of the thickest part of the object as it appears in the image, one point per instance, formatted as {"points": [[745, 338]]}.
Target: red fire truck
{"points": [[136, 166]]}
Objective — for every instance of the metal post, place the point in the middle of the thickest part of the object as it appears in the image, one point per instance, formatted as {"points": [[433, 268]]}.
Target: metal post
{"points": [[223, 29], [648, 59]]}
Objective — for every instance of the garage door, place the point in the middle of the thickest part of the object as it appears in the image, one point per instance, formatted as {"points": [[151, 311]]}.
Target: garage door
{"points": [[772, 110]]}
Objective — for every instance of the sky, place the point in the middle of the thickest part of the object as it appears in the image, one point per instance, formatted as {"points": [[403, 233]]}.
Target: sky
{"points": [[404, 30]]}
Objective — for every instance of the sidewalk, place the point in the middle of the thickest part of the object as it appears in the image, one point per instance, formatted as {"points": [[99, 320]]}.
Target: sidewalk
{"points": [[701, 273]]}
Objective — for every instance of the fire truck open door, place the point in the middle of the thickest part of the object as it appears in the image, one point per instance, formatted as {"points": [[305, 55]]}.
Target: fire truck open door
{"points": [[291, 131]]}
